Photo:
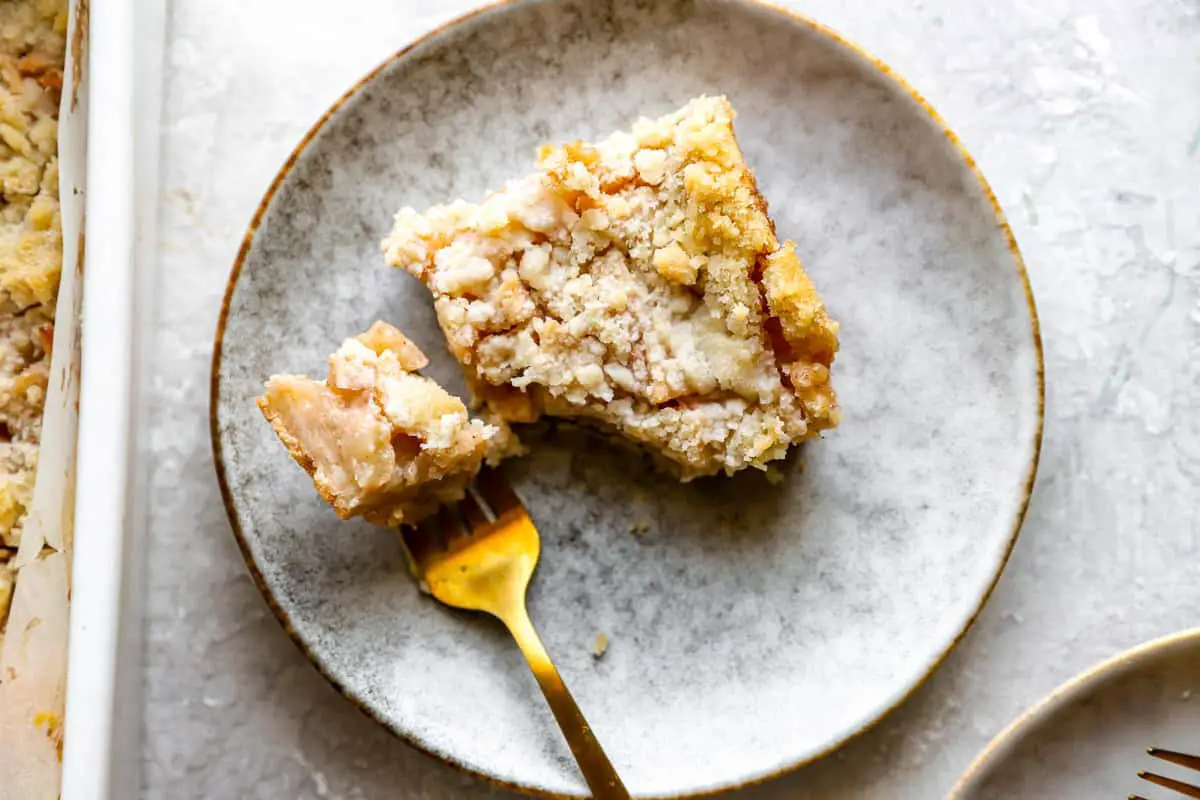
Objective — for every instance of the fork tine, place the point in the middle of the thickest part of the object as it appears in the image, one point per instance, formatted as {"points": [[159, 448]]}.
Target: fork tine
{"points": [[458, 522], [421, 542], [496, 492], [1185, 789], [1175, 757], [473, 514], [450, 526]]}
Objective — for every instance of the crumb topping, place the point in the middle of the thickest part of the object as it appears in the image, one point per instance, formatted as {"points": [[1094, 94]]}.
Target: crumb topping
{"points": [[378, 440], [637, 283], [32, 48]]}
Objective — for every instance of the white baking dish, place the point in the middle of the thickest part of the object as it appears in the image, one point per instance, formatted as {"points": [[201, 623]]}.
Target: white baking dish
{"points": [[103, 708]]}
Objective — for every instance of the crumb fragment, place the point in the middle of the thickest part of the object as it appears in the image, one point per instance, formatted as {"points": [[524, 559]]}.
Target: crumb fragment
{"points": [[600, 646], [18, 469], [379, 440], [636, 283], [7, 581]]}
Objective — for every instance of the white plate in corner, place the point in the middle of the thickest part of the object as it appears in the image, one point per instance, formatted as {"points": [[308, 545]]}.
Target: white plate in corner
{"points": [[753, 628], [1089, 737]]}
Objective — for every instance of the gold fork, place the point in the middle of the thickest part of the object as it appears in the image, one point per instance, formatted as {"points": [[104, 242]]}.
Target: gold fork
{"points": [[1183, 760], [479, 556]]}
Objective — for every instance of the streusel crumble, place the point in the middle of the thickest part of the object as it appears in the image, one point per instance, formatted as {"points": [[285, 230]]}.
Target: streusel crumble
{"points": [[32, 48], [636, 283], [379, 440]]}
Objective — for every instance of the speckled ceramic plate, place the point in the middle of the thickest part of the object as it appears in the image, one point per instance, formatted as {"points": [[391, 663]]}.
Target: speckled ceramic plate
{"points": [[1089, 737], [753, 627]]}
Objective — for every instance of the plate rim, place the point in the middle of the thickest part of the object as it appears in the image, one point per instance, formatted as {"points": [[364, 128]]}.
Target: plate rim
{"points": [[1072, 689], [791, 17]]}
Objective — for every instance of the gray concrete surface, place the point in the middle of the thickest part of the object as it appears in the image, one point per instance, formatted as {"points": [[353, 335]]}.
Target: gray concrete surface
{"points": [[1084, 116]]}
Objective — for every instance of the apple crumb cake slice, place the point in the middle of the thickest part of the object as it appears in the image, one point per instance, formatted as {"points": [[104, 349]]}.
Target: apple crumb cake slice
{"points": [[378, 440], [637, 284]]}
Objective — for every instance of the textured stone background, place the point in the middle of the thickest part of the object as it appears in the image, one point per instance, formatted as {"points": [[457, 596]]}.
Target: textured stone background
{"points": [[1084, 116]]}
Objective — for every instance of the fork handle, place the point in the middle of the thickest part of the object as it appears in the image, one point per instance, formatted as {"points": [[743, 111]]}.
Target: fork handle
{"points": [[597, 770]]}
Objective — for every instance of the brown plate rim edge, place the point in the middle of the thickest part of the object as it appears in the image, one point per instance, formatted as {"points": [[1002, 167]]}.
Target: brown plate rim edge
{"points": [[281, 615]]}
